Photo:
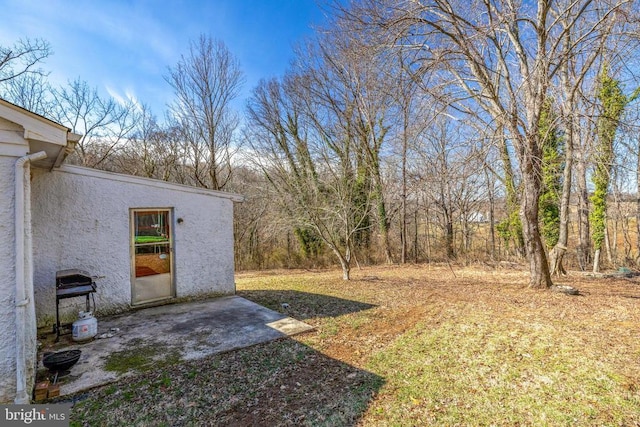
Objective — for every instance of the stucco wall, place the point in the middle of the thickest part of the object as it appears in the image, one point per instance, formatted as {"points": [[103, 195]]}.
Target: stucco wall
{"points": [[81, 220], [8, 287], [7, 281]]}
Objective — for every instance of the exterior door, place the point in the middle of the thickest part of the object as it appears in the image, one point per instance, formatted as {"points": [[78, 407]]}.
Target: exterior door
{"points": [[152, 255]]}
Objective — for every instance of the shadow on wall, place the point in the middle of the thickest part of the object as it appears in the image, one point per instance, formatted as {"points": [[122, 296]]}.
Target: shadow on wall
{"points": [[304, 305]]}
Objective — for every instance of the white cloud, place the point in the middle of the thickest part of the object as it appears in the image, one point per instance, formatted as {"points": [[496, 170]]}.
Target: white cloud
{"points": [[115, 95]]}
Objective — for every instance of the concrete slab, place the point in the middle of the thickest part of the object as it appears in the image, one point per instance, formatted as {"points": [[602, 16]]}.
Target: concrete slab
{"points": [[189, 331]]}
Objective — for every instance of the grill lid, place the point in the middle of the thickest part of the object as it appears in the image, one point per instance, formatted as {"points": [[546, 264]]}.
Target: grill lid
{"points": [[72, 278]]}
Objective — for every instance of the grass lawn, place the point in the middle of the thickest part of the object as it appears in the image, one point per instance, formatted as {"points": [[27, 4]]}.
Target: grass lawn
{"points": [[407, 346]]}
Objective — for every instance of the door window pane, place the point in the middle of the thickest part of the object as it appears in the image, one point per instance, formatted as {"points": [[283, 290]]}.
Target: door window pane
{"points": [[151, 227]]}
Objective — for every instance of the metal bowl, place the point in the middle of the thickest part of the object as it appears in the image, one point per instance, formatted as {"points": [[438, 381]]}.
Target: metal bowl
{"points": [[61, 360]]}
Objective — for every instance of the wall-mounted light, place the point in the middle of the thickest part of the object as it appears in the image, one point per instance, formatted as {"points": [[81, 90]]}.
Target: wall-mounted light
{"points": [[180, 220]]}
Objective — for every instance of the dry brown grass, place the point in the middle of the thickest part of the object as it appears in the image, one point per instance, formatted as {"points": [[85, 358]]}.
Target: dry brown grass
{"points": [[415, 345]]}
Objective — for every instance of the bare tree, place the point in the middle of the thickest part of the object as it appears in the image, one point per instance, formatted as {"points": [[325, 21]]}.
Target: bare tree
{"points": [[310, 162], [503, 56], [410, 112], [439, 181], [23, 58], [451, 182], [589, 33], [153, 150], [29, 91], [22, 80], [206, 81], [145, 148], [350, 81], [583, 143], [612, 102], [103, 123]]}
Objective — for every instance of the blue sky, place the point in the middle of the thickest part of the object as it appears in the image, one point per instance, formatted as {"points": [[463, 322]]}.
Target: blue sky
{"points": [[123, 47]]}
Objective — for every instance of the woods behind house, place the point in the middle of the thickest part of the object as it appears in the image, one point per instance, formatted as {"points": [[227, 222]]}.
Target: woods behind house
{"points": [[403, 131]]}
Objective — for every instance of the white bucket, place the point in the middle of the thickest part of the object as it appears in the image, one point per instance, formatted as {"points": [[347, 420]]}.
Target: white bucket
{"points": [[86, 327]]}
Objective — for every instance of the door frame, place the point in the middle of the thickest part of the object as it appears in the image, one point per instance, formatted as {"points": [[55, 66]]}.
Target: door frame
{"points": [[132, 252]]}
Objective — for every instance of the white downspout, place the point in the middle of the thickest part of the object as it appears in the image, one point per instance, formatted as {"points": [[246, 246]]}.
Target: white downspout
{"points": [[23, 261]]}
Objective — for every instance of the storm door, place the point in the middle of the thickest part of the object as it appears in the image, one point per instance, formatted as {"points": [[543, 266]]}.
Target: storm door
{"points": [[152, 255]]}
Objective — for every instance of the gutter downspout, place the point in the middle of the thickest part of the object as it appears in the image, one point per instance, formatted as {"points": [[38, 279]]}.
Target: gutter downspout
{"points": [[23, 262]]}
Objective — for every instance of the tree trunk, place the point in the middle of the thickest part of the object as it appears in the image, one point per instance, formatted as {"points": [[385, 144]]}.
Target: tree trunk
{"points": [[403, 209], [538, 267], [584, 238], [403, 216], [638, 225], [449, 239], [556, 254], [387, 244], [596, 261], [466, 234], [638, 209], [511, 196], [403, 233], [611, 247], [288, 249], [427, 228], [383, 220], [492, 220], [415, 236], [346, 270], [626, 239], [345, 262], [555, 260]]}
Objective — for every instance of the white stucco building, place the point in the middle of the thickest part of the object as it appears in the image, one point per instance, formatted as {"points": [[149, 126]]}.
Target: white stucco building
{"points": [[150, 241]]}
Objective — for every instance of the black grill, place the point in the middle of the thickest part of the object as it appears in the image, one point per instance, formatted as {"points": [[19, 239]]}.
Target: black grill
{"points": [[70, 284], [74, 281]]}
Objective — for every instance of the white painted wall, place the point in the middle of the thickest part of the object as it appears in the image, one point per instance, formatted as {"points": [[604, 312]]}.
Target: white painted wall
{"points": [[7, 281], [8, 289], [12, 147], [81, 220]]}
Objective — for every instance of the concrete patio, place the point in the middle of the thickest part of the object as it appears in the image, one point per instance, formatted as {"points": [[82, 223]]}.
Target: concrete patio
{"points": [[186, 331]]}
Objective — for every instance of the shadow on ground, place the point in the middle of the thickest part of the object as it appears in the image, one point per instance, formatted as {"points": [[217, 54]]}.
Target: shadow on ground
{"points": [[282, 382], [304, 305]]}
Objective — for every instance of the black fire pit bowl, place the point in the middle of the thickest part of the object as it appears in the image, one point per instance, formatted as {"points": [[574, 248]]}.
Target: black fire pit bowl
{"points": [[61, 360]]}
